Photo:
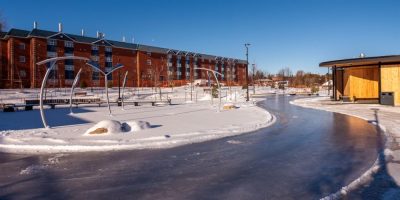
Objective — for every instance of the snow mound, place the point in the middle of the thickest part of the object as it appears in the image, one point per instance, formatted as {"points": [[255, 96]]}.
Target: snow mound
{"points": [[105, 127], [132, 126]]}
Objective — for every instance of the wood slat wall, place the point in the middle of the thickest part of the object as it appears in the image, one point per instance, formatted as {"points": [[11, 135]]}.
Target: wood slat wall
{"points": [[361, 82], [390, 76]]}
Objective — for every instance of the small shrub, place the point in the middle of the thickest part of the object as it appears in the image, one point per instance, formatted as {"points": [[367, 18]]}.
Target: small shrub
{"points": [[110, 84], [314, 89], [214, 91], [83, 84]]}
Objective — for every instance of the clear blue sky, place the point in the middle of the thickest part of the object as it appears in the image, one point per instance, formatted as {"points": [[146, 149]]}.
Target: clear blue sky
{"points": [[283, 33]]}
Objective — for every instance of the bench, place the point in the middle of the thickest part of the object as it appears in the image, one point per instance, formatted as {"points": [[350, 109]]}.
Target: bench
{"points": [[153, 103], [29, 103], [80, 94], [87, 101], [8, 107]]}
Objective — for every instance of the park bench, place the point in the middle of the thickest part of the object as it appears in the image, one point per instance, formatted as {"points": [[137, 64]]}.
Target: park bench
{"points": [[152, 102], [81, 94], [87, 101], [7, 107]]}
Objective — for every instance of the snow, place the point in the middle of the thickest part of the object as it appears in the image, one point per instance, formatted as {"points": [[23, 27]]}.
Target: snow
{"points": [[111, 127], [135, 127]]}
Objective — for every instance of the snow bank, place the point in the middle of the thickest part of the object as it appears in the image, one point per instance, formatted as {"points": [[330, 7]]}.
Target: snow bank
{"points": [[132, 126], [176, 125], [105, 127]]}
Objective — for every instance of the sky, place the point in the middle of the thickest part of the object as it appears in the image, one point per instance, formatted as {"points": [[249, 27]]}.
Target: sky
{"points": [[282, 33]]}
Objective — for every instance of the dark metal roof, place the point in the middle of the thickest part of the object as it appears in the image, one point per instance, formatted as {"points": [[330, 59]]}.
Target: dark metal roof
{"points": [[123, 44], [362, 61], [17, 33], [2, 34], [82, 39], [41, 33], [148, 48]]}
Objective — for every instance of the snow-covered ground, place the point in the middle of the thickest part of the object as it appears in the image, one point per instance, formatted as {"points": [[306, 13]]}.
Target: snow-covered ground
{"points": [[190, 119]]}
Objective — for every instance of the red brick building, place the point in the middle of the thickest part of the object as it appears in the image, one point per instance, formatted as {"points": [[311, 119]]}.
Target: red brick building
{"points": [[20, 50]]}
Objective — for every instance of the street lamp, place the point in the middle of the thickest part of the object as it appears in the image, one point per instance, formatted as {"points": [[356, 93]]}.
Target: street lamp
{"points": [[247, 70], [254, 86]]}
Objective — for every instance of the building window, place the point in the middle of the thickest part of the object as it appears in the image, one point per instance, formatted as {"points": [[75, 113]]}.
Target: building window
{"points": [[69, 72], [69, 62], [21, 46], [22, 59], [51, 54], [108, 59], [149, 53], [149, 62], [95, 47], [95, 75], [95, 58], [108, 69], [52, 42], [69, 44], [22, 73], [53, 73], [108, 49]]}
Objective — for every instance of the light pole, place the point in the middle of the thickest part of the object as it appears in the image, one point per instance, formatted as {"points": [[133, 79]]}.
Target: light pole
{"points": [[254, 86], [247, 70]]}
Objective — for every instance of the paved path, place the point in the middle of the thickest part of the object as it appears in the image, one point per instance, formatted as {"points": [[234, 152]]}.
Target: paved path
{"points": [[385, 183], [306, 154]]}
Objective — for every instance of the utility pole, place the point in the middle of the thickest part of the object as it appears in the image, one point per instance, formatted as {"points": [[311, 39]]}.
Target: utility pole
{"points": [[247, 70]]}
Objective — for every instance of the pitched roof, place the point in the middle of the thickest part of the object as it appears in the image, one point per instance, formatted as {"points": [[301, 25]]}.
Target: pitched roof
{"points": [[41, 33], [2, 34], [17, 33], [152, 48]]}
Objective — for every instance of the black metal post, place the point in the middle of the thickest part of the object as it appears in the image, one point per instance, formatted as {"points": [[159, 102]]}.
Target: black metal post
{"points": [[379, 82], [247, 71]]}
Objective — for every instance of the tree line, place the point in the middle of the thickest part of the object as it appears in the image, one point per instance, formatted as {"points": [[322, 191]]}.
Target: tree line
{"points": [[298, 79]]}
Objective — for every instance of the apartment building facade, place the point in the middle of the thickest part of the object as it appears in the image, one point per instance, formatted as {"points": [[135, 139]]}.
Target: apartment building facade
{"points": [[147, 66]]}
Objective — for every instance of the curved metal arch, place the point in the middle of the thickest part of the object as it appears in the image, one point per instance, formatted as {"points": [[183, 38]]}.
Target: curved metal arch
{"points": [[123, 89], [62, 58], [52, 62], [219, 85], [95, 66], [72, 90]]}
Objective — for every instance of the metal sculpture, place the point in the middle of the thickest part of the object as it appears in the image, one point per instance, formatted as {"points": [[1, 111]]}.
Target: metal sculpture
{"points": [[52, 62], [95, 65], [123, 88], [72, 90], [219, 86]]}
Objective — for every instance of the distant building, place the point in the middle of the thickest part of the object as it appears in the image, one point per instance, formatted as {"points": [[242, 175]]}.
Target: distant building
{"points": [[372, 79], [20, 50]]}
